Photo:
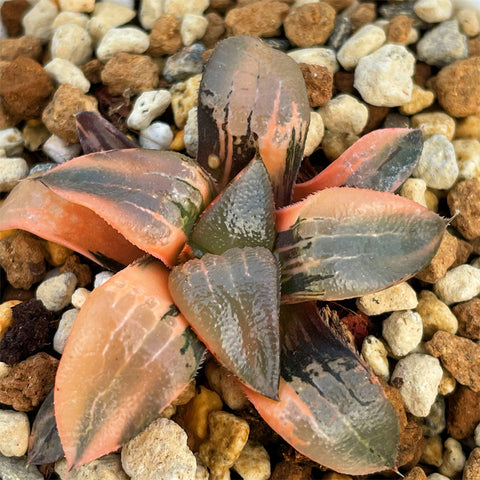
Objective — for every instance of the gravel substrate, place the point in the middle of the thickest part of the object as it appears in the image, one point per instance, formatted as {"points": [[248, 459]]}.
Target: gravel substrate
{"points": [[366, 65]]}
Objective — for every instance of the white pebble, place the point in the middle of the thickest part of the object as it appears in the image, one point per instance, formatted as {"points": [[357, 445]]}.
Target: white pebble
{"points": [[72, 43], [39, 19], [433, 11], [122, 39], [12, 170], [190, 137], [108, 15], [4, 369], [193, 28], [364, 41], [437, 476], [253, 463], [79, 296], [437, 164], [322, 56], [419, 376], [467, 151], [63, 330], [157, 136], [63, 18], [101, 278], [414, 189], [59, 150], [344, 114], [398, 297], [64, 71], [403, 332], [148, 106], [180, 7], [150, 10], [384, 78], [459, 284], [56, 292], [77, 5], [476, 435], [11, 141], [453, 458], [14, 433], [108, 467], [315, 133], [375, 354]]}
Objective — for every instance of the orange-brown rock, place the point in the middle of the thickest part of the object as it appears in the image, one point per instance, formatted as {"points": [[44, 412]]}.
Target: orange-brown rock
{"points": [[464, 203], [26, 46], [12, 12], [468, 316], [165, 38], [463, 412], [398, 29], [215, 30], [366, 12], [319, 83]]}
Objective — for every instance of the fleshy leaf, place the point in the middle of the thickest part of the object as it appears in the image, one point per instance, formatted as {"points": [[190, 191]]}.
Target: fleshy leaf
{"points": [[152, 198], [243, 215], [381, 160], [44, 443], [232, 303], [129, 355], [332, 408], [252, 99], [33, 207], [345, 242], [97, 134]]}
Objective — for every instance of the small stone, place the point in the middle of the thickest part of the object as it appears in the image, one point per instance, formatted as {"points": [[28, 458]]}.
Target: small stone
{"points": [[150, 10], [322, 56], [458, 87], [468, 127], [443, 44], [64, 18], [222, 382], [215, 30], [339, 5], [375, 354], [79, 297], [190, 137], [14, 433], [467, 151], [56, 292], [34, 134], [435, 422], [108, 467], [184, 98], [193, 28], [363, 14], [11, 141], [335, 143], [459, 284], [468, 315], [433, 11], [344, 114], [472, 466], [469, 21], [418, 377], [384, 78], [435, 315], [59, 150], [448, 383], [25, 46], [310, 24], [464, 250], [253, 463], [25, 87], [107, 15], [18, 468], [157, 136], [101, 278], [184, 64], [71, 42], [463, 412], [148, 106], [38, 20], [77, 5], [463, 201], [416, 473], [434, 123], [64, 71], [399, 29], [59, 114], [81, 270], [433, 452], [319, 83], [420, 100], [399, 297], [64, 328], [28, 382], [365, 41], [341, 31], [93, 70], [315, 134], [11, 15], [130, 74], [160, 451], [227, 438], [12, 170], [165, 37], [403, 332], [414, 189], [179, 7], [122, 39], [453, 458]]}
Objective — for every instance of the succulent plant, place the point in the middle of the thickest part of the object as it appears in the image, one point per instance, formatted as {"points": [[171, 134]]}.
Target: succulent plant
{"points": [[233, 266]]}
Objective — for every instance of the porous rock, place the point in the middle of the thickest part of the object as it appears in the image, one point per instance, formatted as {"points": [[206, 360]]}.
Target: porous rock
{"points": [[403, 331], [435, 314], [14, 432], [319, 83], [463, 412], [165, 37], [459, 284], [253, 463], [56, 292], [24, 46], [398, 297], [468, 315], [472, 465], [108, 467], [464, 203], [71, 42]]}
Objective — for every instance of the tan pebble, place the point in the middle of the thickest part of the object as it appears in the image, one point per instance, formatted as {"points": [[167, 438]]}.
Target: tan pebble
{"points": [[416, 473], [56, 254], [25, 46], [184, 98], [14, 433], [375, 354], [468, 127], [108, 15], [335, 476], [420, 100], [77, 5], [398, 29], [38, 20], [472, 465], [227, 438], [344, 114], [309, 25], [431, 200], [187, 395], [434, 123], [433, 451], [6, 314], [253, 463], [398, 297], [178, 143], [335, 143], [34, 134], [414, 189], [315, 133], [469, 22], [340, 4], [71, 42], [468, 315], [435, 314], [363, 14], [108, 467], [165, 38], [467, 151], [447, 384], [77, 18], [215, 29], [464, 250], [464, 202], [453, 458], [4, 369]]}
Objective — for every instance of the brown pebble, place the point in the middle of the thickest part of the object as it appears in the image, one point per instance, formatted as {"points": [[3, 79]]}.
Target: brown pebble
{"points": [[215, 30], [464, 250], [22, 258], [29, 382], [12, 293], [114, 108], [221, 6], [339, 5], [309, 25], [474, 46], [442, 260], [26, 46], [460, 356], [81, 270], [7, 119], [319, 83], [411, 444], [165, 38], [12, 12], [129, 74], [458, 87], [468, 316], [416, 473], [464, 203], [376, 116], [93, 70], [262, 19], [366, 12], [343, 82], [292, 470], [423, 72], [463, 412], [398, 29], [25, 87], [471, 470], [59, 114]]}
